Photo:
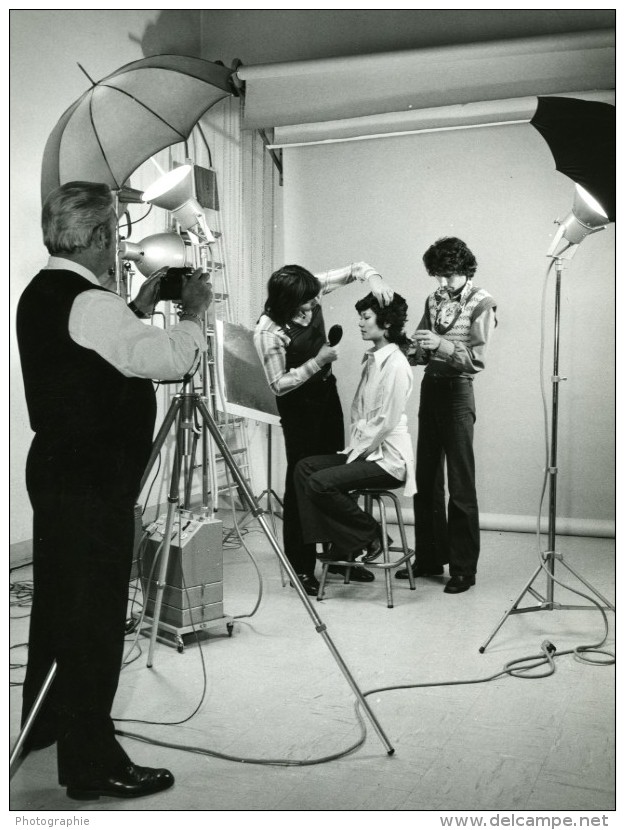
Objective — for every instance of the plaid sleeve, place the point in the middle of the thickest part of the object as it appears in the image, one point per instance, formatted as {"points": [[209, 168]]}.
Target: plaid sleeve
{"points": [[271, 345]]}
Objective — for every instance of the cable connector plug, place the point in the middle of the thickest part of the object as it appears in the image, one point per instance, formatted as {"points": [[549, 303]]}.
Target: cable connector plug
{"points": [[548, 647]]}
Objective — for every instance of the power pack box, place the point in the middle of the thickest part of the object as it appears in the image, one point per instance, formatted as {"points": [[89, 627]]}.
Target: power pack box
{"points": [[193, 591]]}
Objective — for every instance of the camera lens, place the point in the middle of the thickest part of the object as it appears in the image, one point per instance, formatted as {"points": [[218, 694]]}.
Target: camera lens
{"points": [[170, 285]]}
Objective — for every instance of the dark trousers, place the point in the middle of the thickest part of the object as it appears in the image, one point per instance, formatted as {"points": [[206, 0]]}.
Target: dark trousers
{"points": [[446, 420], [312, 424], [328, 513], [82, 555]]}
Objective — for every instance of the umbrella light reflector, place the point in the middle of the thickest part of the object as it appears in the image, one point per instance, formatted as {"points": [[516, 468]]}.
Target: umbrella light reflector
{"points": [[171, 189], [587, 208]]}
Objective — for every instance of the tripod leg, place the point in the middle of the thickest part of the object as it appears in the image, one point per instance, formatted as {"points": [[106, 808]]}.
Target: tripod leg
{"points": [[189, 471], [167, 534], [28, 724], [259, 514], [169, 419], [512, 608], [588, 585]]}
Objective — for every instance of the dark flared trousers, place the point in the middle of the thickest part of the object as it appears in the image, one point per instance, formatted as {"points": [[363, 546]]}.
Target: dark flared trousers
{"points": [[446, 421], [312, 423], [328, 513], [82, 555]]}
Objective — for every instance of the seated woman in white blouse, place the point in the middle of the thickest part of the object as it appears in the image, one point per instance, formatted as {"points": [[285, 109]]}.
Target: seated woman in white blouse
{"points": [[379, 453]]}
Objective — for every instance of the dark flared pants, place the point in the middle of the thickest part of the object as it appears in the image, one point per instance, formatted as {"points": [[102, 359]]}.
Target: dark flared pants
{"points": [[82, 555], [328, 513], [446, 421], [312, 424]]}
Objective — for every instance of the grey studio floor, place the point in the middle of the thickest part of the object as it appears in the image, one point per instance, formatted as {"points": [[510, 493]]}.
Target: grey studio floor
{"points": [[274, 691]]}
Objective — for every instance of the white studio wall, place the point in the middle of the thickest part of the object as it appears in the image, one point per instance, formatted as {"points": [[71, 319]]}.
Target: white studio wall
{"points": [[385, 201], [45, 80]]}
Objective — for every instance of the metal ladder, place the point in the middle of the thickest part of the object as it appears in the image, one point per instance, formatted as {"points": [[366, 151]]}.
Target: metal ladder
{"points": [[233, 428]]}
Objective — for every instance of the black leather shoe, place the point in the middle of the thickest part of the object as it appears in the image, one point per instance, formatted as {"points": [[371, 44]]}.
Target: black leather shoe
{"points": [[133, 782], [375, 549], [309, 583], [421, 570], [458, 584], [356, 575]]}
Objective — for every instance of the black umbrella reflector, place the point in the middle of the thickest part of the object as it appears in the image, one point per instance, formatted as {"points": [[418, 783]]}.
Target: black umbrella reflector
{"points": [[582, 138]]}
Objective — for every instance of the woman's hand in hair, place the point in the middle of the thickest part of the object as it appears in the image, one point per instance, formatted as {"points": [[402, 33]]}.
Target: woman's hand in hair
{"points": [[381, 290]]}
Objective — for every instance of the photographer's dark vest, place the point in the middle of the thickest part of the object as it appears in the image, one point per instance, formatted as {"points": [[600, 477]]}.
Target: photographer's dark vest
{"points": [[93, 426]]}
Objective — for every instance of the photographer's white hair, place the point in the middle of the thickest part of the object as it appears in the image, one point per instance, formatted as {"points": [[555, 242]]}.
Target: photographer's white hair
{"points": [[71, 214]]}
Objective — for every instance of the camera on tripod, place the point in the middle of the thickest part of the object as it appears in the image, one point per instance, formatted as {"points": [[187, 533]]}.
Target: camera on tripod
{"points": [[170, 284]]}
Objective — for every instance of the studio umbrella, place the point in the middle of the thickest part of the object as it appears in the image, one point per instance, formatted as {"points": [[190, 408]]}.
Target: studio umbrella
{"points": [[582, 138], [127, 117]]}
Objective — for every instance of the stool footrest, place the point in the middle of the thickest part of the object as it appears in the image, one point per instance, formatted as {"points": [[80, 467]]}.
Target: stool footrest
{"points": [[384, 565]]}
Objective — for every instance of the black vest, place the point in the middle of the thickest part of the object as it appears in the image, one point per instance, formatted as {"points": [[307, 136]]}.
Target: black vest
{"points": [[93, 425], [305, 341]]}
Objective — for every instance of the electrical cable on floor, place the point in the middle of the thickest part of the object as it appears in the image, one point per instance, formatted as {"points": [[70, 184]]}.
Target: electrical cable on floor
{"points": [[23, 565], [17, 666], [20, 596], [532, 667], [523, 668], [198, 640], [221, 755], [254, 563]]}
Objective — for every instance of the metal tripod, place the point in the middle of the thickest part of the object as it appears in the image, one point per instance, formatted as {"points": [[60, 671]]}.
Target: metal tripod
{"points": [[184, 405], [549, 557]]}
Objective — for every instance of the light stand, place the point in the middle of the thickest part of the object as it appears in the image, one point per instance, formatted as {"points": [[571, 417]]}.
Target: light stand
{"points": [[549, 557], [184, 405], [272, 497], [269, 491]]}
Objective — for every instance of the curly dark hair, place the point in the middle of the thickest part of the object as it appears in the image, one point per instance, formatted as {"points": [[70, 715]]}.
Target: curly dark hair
{"points": [[289, 288], [393, 315], [449, 255]]}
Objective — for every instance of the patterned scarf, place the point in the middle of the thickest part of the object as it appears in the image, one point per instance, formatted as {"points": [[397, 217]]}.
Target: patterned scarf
{"points": [[449, 306]]}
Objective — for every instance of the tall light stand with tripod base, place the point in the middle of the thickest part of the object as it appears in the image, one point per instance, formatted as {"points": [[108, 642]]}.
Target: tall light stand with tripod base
{"points": [[573, 230]]}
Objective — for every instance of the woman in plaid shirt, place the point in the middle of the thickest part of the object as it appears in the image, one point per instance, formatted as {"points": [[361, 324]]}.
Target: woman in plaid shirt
{"points": [[291, 342]]}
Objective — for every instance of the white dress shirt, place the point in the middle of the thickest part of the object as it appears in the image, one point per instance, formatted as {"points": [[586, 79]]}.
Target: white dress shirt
{"points": [[101, 321], [378, 415]]}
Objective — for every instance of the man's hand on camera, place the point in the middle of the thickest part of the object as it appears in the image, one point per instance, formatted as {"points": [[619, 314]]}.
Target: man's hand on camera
{"points": [[197, 292], [147, 297]]}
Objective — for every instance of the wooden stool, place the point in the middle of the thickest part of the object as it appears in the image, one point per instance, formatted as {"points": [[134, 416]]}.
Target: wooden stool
{"points": [[386, 564]]}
